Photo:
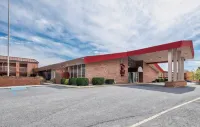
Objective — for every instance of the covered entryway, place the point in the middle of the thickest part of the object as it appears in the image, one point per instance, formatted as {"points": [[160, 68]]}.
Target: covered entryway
{"points": [[174, 54]]}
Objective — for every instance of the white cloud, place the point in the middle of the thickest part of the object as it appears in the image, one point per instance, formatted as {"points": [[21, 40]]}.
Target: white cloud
{"points": [[108, 26]]}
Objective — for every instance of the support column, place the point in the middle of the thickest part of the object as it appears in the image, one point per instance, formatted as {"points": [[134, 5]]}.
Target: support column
{"points": [[182, 69], [170, 65], [180, 82], [179, 65], [175, 64]]}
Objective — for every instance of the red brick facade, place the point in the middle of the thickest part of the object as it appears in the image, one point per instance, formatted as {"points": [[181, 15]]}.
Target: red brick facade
{"points": [[107, 69], [30, 67], [18, 66], [19, 81], [149, 74]]}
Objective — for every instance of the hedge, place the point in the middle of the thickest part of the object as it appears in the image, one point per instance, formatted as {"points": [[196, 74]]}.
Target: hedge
{"points": [[72, 81], [161, 80], [62, 81], [66, 81], [98, 81], [109, 81], [82, 81], [157, 80]]}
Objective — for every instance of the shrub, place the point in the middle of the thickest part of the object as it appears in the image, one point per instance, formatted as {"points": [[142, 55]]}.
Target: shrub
{"points": [[66, 81], [82, 81], [157, 80], [62, 81], [154, 80], [109, 81], [161, 80], [98, 81], [72, 81], [166, 79], [53, 80], [42, 79]]}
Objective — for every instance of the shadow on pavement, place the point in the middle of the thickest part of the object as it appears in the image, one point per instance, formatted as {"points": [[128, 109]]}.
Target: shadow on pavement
{"points": [[57, 87], [161, 88]]}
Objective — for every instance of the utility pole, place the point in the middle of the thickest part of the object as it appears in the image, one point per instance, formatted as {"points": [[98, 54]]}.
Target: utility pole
{"points": [[8, 58]]}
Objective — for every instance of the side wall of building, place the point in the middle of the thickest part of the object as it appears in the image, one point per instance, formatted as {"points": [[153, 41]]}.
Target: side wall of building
{"points": [[30, 67], [149, 74], [108, 69]]}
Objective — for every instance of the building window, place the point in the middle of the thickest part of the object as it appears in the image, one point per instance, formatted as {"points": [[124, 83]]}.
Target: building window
{"points": [[71, 72], [83, 70], [77, 71]]}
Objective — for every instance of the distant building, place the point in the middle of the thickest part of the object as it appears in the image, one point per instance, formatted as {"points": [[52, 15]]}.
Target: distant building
{"points": [[189, 75], [18, 66]]}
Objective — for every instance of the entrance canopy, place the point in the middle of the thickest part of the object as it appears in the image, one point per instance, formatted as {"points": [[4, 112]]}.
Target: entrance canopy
{"points": [[150, 55]]}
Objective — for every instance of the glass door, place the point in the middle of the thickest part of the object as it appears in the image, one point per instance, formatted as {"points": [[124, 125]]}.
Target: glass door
{"points": [[133, 77]]}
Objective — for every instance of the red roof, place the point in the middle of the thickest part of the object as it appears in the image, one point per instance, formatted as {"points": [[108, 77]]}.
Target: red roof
{"points": [[172, 45], [159, 68]]}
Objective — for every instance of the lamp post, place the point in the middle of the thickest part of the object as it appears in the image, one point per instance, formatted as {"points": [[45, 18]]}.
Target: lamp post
{"points": [[8, 58]]}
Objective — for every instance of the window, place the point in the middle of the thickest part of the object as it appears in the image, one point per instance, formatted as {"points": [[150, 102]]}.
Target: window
{"points": [[71, 72], [83, 70], [77, 71]]}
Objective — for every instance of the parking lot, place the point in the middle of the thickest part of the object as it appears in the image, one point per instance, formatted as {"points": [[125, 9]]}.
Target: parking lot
{"points": [[106, 106]]}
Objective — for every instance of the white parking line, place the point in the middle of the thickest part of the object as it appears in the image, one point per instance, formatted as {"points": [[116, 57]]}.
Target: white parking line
{"points": [[163, 112]]}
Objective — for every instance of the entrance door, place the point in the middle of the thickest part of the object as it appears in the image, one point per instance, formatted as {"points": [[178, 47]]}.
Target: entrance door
{"points": [[133, 77]]}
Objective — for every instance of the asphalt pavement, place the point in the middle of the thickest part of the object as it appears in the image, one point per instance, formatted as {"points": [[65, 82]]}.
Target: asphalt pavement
{"points": [[108, 106]]}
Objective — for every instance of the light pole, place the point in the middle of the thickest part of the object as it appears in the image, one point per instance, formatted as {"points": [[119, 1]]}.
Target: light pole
{"points": [[8, 59]]}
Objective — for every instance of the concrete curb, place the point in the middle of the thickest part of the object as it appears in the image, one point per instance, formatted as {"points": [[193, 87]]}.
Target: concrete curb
{"points": [[71, 86], [9, 87]]}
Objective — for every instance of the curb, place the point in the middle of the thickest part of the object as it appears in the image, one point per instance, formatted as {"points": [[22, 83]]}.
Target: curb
{"points": [[71, 86], [10, 87]]}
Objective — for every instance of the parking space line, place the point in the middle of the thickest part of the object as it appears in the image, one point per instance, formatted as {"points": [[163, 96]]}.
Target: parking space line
{"points": [[163, 112]]}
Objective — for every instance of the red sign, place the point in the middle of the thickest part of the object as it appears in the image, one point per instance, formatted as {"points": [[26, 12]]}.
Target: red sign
{"points": [[122, 69]]}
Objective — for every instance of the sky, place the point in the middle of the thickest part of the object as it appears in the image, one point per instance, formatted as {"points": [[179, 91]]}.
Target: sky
{"points": [[52, 31]]}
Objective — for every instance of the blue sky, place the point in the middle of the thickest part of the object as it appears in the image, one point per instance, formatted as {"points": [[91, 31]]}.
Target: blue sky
{"points": [[52, 31]]}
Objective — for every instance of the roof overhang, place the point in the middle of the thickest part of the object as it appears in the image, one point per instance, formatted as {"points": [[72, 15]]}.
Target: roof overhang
{"points": [[150, 55]]}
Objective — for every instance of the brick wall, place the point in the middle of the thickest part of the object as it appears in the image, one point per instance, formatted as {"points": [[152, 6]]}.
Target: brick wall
{"points": [[107, 69], [149, 74], [58, 75], [17, 69], [30, 67], [19, 81]]}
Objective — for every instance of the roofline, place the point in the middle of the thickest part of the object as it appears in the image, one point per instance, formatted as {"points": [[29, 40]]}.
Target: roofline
{"points": [[22, 58], [177, 44], [159, 68], [55, 66]]}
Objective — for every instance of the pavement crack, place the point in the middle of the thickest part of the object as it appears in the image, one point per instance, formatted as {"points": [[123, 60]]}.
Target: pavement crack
{"points": [[111, 120]]}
